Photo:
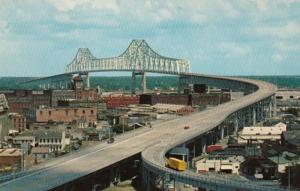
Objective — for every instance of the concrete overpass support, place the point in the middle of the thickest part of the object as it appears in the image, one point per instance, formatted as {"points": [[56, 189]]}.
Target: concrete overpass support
{"points": [[254, 115], [222, 131], [236, 124], [133, 83], [274, 109], [88, 85], [115, 176], [203, 144]]}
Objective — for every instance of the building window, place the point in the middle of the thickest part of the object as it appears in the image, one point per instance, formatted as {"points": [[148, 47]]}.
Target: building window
{"points": [[67, 112], [50, 112], [92, 112], [83, 111], [41, 112]]}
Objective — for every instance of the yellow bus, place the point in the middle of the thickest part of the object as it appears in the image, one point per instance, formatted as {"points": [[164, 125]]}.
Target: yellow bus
{"points": [[176, 164]]}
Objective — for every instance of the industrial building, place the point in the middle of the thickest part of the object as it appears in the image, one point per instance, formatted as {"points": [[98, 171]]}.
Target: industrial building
{"points": [[257, 134], [100, 105], [225, 164], [123, 100], [66, 114], [185, 99]]}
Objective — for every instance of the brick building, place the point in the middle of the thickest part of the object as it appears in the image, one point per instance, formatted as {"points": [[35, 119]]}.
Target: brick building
{"points": [[185, 99], [9, 159], [100, 105], [86, 94], [22, 99], [18, 121], [117, 101], [67, 114], [56, 95]]}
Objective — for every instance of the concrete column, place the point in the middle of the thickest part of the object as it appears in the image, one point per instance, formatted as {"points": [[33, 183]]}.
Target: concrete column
{"points": [[274, 108], [222, 132], [133, 82], [270, 109], [254, 115], [208, 89], [144, 84], [203, 144], [236, 124], [88, 80]]}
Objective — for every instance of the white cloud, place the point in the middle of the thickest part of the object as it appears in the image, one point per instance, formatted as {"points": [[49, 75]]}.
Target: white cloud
{"points": [[289, 30], [233, 50], [71, 5], [163, 15], [110, 5], [3, 27], [278, 57], [286, 47], [65, 5]]}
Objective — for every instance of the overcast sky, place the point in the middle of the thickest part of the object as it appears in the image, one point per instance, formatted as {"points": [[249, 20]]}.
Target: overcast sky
{"points": [[242, 37]]}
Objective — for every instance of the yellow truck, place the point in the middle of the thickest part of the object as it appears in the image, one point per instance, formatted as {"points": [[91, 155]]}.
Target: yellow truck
{"points": [[176, 164]]}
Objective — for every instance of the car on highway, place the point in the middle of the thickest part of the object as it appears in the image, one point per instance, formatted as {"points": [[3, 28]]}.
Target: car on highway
{"points": [[186, 127]]}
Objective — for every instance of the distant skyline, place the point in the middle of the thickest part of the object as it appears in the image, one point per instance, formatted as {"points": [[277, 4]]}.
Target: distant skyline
{"points": [[242, 37]]}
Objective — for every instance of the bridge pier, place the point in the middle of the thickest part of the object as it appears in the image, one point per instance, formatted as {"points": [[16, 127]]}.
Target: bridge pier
{"points": [[144, 84], [133, 83], [143, 81], [88, 81]]}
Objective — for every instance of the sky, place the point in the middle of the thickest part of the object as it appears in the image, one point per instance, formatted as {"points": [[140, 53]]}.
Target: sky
{"points": [[242, 37]]}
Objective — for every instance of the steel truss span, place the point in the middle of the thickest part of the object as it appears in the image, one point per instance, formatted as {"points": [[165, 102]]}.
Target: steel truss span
{"points": [[137, 57]]}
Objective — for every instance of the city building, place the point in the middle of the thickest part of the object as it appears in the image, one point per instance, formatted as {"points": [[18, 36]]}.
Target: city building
{"points": [[257, 134], [25, 137], [86, 94], [172, 108], [118, 101], [40, 154], [291, 139], [10, 159], [5, 124], [57, 95], [18, 121], [66, 114], [259, 168], [284, 160], [54, 140], [19, 100], [186, 99], [98, 104], [224, 164]]}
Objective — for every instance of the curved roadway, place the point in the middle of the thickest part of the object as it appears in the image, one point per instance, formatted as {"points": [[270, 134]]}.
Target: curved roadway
{"points": [[154, 157], [153, 145]]}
